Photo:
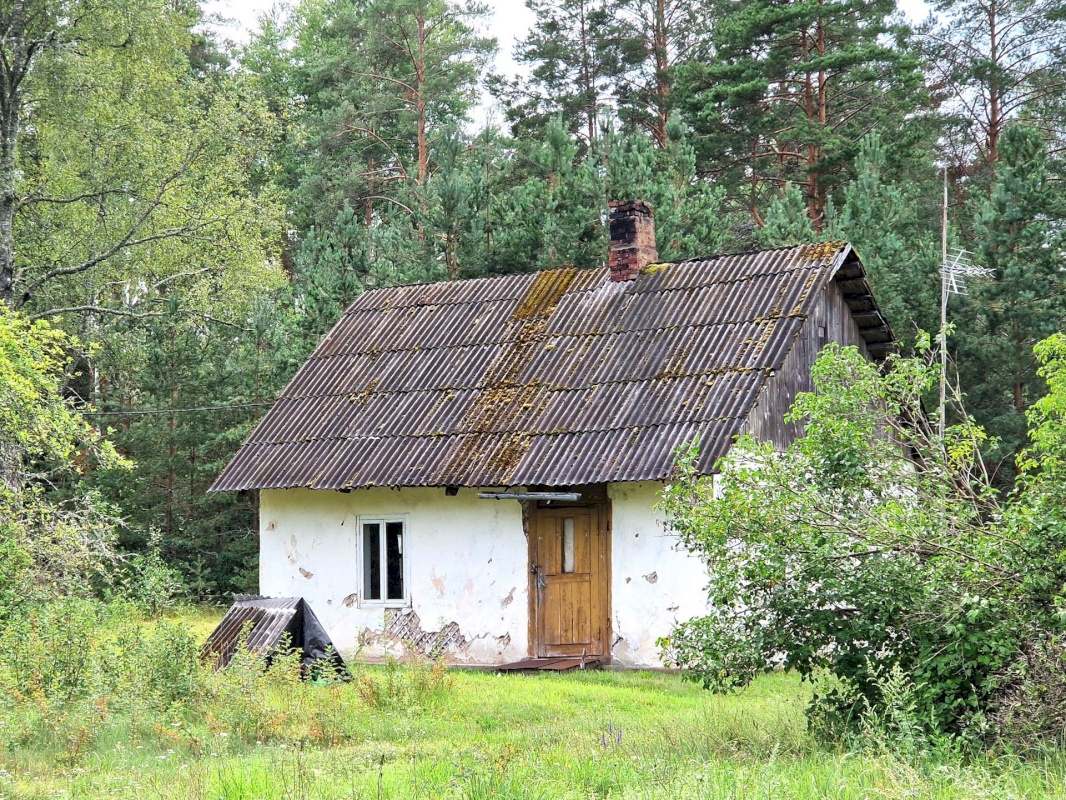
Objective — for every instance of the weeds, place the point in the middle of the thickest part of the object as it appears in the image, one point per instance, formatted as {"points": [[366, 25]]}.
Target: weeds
{"points": [[142, 719], [415, 682]]}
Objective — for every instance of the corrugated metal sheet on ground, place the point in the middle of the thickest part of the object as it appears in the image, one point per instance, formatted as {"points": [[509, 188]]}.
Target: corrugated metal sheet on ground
{"points": [[265, 621], [553, 378]]}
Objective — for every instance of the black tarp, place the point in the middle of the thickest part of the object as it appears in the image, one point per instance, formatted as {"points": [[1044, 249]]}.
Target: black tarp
{"points": [[268, 619]]}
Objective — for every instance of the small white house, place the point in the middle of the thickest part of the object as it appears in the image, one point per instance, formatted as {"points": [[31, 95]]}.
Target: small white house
{"points": [[471, 468]]}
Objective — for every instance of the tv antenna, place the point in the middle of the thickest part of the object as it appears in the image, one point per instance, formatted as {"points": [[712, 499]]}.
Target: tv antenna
{"points": [[955, 269]]}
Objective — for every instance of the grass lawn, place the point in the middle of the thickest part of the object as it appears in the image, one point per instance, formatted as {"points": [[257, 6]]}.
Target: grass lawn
{"points": [[480, 735]]}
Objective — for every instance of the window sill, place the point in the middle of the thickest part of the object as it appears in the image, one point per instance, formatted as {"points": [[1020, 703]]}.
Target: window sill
{"points": [[385, 604]]}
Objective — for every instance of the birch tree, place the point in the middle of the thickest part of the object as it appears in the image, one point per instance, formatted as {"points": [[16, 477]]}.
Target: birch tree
{"points": [[120, 177], [48, 543]]}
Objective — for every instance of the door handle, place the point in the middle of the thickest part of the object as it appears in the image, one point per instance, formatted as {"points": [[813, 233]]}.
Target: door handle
{"points": [[541, 583]]}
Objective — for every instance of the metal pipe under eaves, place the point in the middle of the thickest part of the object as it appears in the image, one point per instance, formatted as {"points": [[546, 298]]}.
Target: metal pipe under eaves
{"points": [[568, 497]]}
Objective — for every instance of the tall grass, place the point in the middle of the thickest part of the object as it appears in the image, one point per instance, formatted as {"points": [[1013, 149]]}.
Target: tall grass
{"points": [[416, 732]]}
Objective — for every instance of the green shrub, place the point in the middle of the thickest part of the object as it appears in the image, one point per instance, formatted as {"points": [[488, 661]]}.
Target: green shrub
{"points": [[48, 651], [155, 667], [147, 580], [16, 571], [74, 649], [256, 697], [873, 551], [412, 683]]}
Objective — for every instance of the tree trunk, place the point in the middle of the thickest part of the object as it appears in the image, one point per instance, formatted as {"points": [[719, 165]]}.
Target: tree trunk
{"points": [[168, 517], [660, 44], [420, 100], [810, 110], [588, 81], [753, 196], [9, 130], [12, 69], [822, 103], [368, 204], [16, 54], [995, 113]]}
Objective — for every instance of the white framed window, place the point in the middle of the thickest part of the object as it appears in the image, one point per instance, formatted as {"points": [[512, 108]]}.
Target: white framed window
{"points": [[383, 561]]}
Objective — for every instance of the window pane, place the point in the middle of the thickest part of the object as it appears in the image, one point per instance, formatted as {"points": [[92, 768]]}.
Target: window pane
{"points": [[394, 559], [371, 560], [568, 544]]}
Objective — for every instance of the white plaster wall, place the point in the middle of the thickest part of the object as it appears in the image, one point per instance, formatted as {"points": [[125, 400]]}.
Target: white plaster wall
{"points": [[655, 583], [467, 563]]}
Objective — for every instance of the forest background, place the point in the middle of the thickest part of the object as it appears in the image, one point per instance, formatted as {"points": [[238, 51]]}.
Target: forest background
{"points": [[196, 213]]}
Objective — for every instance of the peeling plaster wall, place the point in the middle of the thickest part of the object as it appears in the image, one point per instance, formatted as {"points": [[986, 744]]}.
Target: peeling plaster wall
{"points": [[468, 572], [654, 582], [467, 562]]}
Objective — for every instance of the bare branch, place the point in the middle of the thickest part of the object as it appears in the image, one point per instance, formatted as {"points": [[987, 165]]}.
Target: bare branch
{"points": [[129, 238], [95, 309]]}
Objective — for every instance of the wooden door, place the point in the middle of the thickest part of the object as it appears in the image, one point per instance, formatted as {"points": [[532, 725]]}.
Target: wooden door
{"points": [[569, 576]]}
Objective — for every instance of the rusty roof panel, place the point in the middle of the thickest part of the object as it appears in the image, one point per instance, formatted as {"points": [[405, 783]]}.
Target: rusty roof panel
{"points": [[553, 378]]}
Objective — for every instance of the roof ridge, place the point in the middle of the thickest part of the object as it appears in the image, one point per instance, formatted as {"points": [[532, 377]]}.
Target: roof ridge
{"points": [[583, 290], [600, 267]]}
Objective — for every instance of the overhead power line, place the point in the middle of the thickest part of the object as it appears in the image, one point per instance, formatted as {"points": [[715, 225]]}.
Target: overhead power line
{"points": [[148, 412]]}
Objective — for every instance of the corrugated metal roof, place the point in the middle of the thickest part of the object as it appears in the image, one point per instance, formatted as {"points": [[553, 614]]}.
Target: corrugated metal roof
{"points": [[554, 378]]}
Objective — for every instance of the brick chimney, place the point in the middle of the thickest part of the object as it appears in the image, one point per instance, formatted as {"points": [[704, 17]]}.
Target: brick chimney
{"points": [[632, 239]]}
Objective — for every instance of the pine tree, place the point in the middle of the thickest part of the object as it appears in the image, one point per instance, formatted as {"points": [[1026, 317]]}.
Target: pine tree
{"points": [[381, 78], [153, 375], [690, 220], [654, 37], [998, 60], [551, 216], [573, 52], [792, 89], [1019, 233], [894, 230], [786, 221], [455, 200], [330, 269]]}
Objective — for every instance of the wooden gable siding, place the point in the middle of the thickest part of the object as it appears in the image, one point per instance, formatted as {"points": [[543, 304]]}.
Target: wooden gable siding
{"points": [[830, 320]]}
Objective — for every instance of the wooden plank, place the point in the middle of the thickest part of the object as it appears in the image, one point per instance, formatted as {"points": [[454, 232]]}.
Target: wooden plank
{"points": [[600, 605], [529, 663], [559, 664], [551, 554], [582, 544], [563, 664]]}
